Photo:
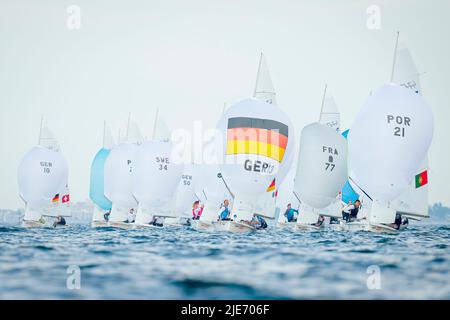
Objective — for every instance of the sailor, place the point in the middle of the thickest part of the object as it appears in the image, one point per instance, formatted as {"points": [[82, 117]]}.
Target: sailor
{"points": [[106, 215], [354, 211], [319, 222], [347, 209], [60, 221], [290, 213], [224, 213], [197, 210], [334, 220], [157, 221], [131, 216], [258, 222]]}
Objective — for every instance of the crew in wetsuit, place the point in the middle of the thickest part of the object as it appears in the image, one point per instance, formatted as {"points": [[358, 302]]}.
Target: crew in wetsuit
{"points": [[319, 222], [60, 221], [106, 215], [346, 210], [290, 213], [354, 211], [197, 210], [224, 213], [258, 222]]}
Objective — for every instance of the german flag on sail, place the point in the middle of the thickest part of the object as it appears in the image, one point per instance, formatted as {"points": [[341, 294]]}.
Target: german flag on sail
{"points": [[271, 187], [421, 179], [55, 198], [257, 136]]}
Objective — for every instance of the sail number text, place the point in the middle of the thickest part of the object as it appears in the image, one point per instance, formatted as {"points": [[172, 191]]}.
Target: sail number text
{"points": [[163, 163], [46, 166], [400, 122]]}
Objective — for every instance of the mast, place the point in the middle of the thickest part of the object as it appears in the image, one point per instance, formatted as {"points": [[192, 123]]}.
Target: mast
{"points": [[395, 56], [40, 130], [154, 124], [128, 126], [323, 101]]}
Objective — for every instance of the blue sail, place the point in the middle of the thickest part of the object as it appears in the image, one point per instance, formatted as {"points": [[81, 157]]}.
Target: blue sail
{"points": [[96, 192], [347, 191]]}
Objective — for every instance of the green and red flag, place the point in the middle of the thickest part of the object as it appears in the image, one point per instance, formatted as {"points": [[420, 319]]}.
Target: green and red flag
{"points": [[421, 179]]}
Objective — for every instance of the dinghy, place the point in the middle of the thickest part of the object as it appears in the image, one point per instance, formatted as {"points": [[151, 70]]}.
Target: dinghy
{"points": [[185, 197], [321, 174], [388, 142], [256, 151], [43, 182], [256, 155], [102, 205], [156, 176], [118, 182], [413, 202]]}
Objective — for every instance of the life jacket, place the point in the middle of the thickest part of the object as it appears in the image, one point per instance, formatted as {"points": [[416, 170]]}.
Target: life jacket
{"points": [[224, 214]]}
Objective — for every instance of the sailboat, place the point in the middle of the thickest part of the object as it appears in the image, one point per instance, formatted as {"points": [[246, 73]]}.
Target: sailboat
{"points": [[413, 202], [118, 182], [388, 142], [321, 174], [102, 205], [257, 151], [43, 182], [185, 197], [156, 176], [209, 187]]}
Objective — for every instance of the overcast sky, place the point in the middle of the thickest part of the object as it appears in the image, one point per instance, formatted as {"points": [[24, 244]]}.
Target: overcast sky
{"points": [[188, 57]]}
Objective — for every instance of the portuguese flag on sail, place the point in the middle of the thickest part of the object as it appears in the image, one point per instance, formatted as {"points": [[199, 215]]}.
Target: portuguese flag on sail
{"points": [[421, 179]]}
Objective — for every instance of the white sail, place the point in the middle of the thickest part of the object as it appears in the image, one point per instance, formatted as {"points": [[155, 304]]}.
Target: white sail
{"points": [[414, 201], [387, 143], [186, 193], [322, 167], [60, 204], [155, 179], [42, 174], [134, 134], [329, 113], [404, 72], [264, 90], [108, 138], [257, 148], [118, 180], [160, 129], [47, 139]]}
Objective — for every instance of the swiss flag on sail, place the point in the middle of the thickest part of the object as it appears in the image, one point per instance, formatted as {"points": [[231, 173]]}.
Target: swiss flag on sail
{"points": [[65, 198]]}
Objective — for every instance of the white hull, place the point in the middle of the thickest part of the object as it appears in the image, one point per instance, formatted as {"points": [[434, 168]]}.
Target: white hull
{"points": [[222, 226], [309, 227], [201, 225], [144, 225], [48, 222], [121, 225], [234, 227], [364, 225], [100, 224]]}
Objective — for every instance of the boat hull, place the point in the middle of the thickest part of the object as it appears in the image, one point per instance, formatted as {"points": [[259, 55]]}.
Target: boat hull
{"points": [[100, 224], [365, 226], [234, 227]]}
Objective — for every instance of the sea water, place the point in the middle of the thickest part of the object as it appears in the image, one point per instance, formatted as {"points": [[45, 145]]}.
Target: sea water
{"points": [[179, 263]]}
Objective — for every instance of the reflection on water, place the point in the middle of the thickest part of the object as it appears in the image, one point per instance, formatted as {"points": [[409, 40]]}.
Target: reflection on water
{"points": [[178, 263]]}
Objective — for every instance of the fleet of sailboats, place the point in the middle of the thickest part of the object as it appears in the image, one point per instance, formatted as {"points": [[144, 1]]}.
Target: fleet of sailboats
{"points": [[255, 166]]}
